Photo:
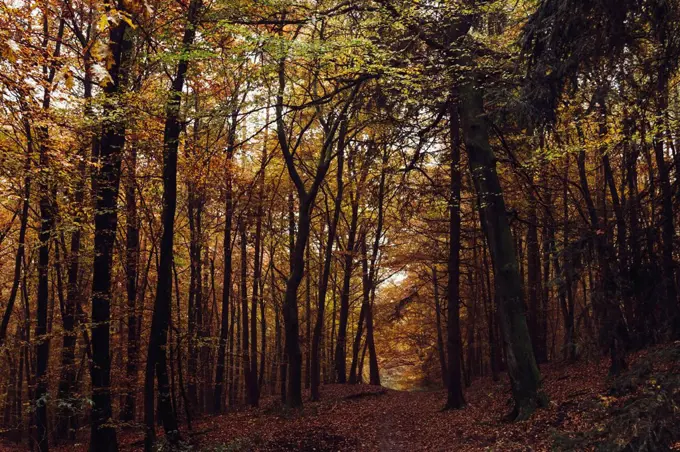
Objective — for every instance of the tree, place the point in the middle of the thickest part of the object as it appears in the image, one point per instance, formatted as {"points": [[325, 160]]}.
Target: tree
{"points": [[156, 364]]}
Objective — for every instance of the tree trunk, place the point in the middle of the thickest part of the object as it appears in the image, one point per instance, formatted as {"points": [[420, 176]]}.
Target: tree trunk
{"points": [[534, 283], [218, 398], [441, 351], [131, 271], [523, 371], [341, 345], [306, 198], [328, 257], [672, 309], [106, 183], [249, 379], [158, 337], [21, 248], [455, 397]]}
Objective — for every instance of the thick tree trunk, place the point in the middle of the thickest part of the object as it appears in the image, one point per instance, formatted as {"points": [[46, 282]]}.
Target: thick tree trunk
{"points": [[523, 371], [106, 183], [290, 312]]}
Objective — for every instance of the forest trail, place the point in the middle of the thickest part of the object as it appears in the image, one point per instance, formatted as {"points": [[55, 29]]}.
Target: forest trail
{"points": [[371, 418]]}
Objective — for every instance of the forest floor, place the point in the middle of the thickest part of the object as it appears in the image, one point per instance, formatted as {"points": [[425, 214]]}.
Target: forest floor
{"points": [[639, 409]]}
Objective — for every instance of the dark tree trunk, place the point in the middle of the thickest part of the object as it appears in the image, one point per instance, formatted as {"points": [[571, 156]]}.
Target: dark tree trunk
{"points": [[158, 336], [455, 397], [42, 341], [195, 300], [330, 374], [131, 273], [356, 345], [523, 371], [106, 183], [441, 351], [341, 345], [257, 278], [21, 248], [308, 317], [671, 308], [226, 285], [306, 198], [374, 373], [323, 285], [67, 422], [534, 283]]}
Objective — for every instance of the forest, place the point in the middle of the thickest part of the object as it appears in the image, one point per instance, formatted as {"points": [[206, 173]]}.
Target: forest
{"points": [[339, 225]]}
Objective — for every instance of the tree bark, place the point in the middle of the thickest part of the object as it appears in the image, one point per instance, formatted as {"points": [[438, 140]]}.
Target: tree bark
{"points": [[131, 273], [158, 336], [106, 184], [306, 198], [455, 398], [249, 379], [441, 351], [328, 257], [226, 284], [522, 368]]}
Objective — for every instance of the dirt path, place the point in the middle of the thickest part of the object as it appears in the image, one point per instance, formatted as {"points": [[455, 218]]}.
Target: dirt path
{"points": [[366, 418], [374, 419]]}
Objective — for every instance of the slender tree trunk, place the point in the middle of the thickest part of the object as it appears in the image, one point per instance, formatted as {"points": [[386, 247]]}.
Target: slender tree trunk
{"points": [[226, 286], [257, 278], [131, 271], [341, 345], [21, 248], [331, 348], [250, 379], [374, 373], [455, 397], [158, 336], [323, 285], [441, 351], [195, 299], [672, 309], [308, 316], [355, 368], [534, 283]]}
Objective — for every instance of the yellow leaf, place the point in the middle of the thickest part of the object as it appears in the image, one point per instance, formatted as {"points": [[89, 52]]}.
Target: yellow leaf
{"points": [[127, 20], [103, 22]]}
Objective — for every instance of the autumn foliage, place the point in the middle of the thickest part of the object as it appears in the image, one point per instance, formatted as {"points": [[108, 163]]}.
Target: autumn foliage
{"points": [[339, 225]]}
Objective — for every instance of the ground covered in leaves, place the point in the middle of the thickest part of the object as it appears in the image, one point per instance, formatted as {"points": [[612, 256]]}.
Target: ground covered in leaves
{"points": [[638, 411]]}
